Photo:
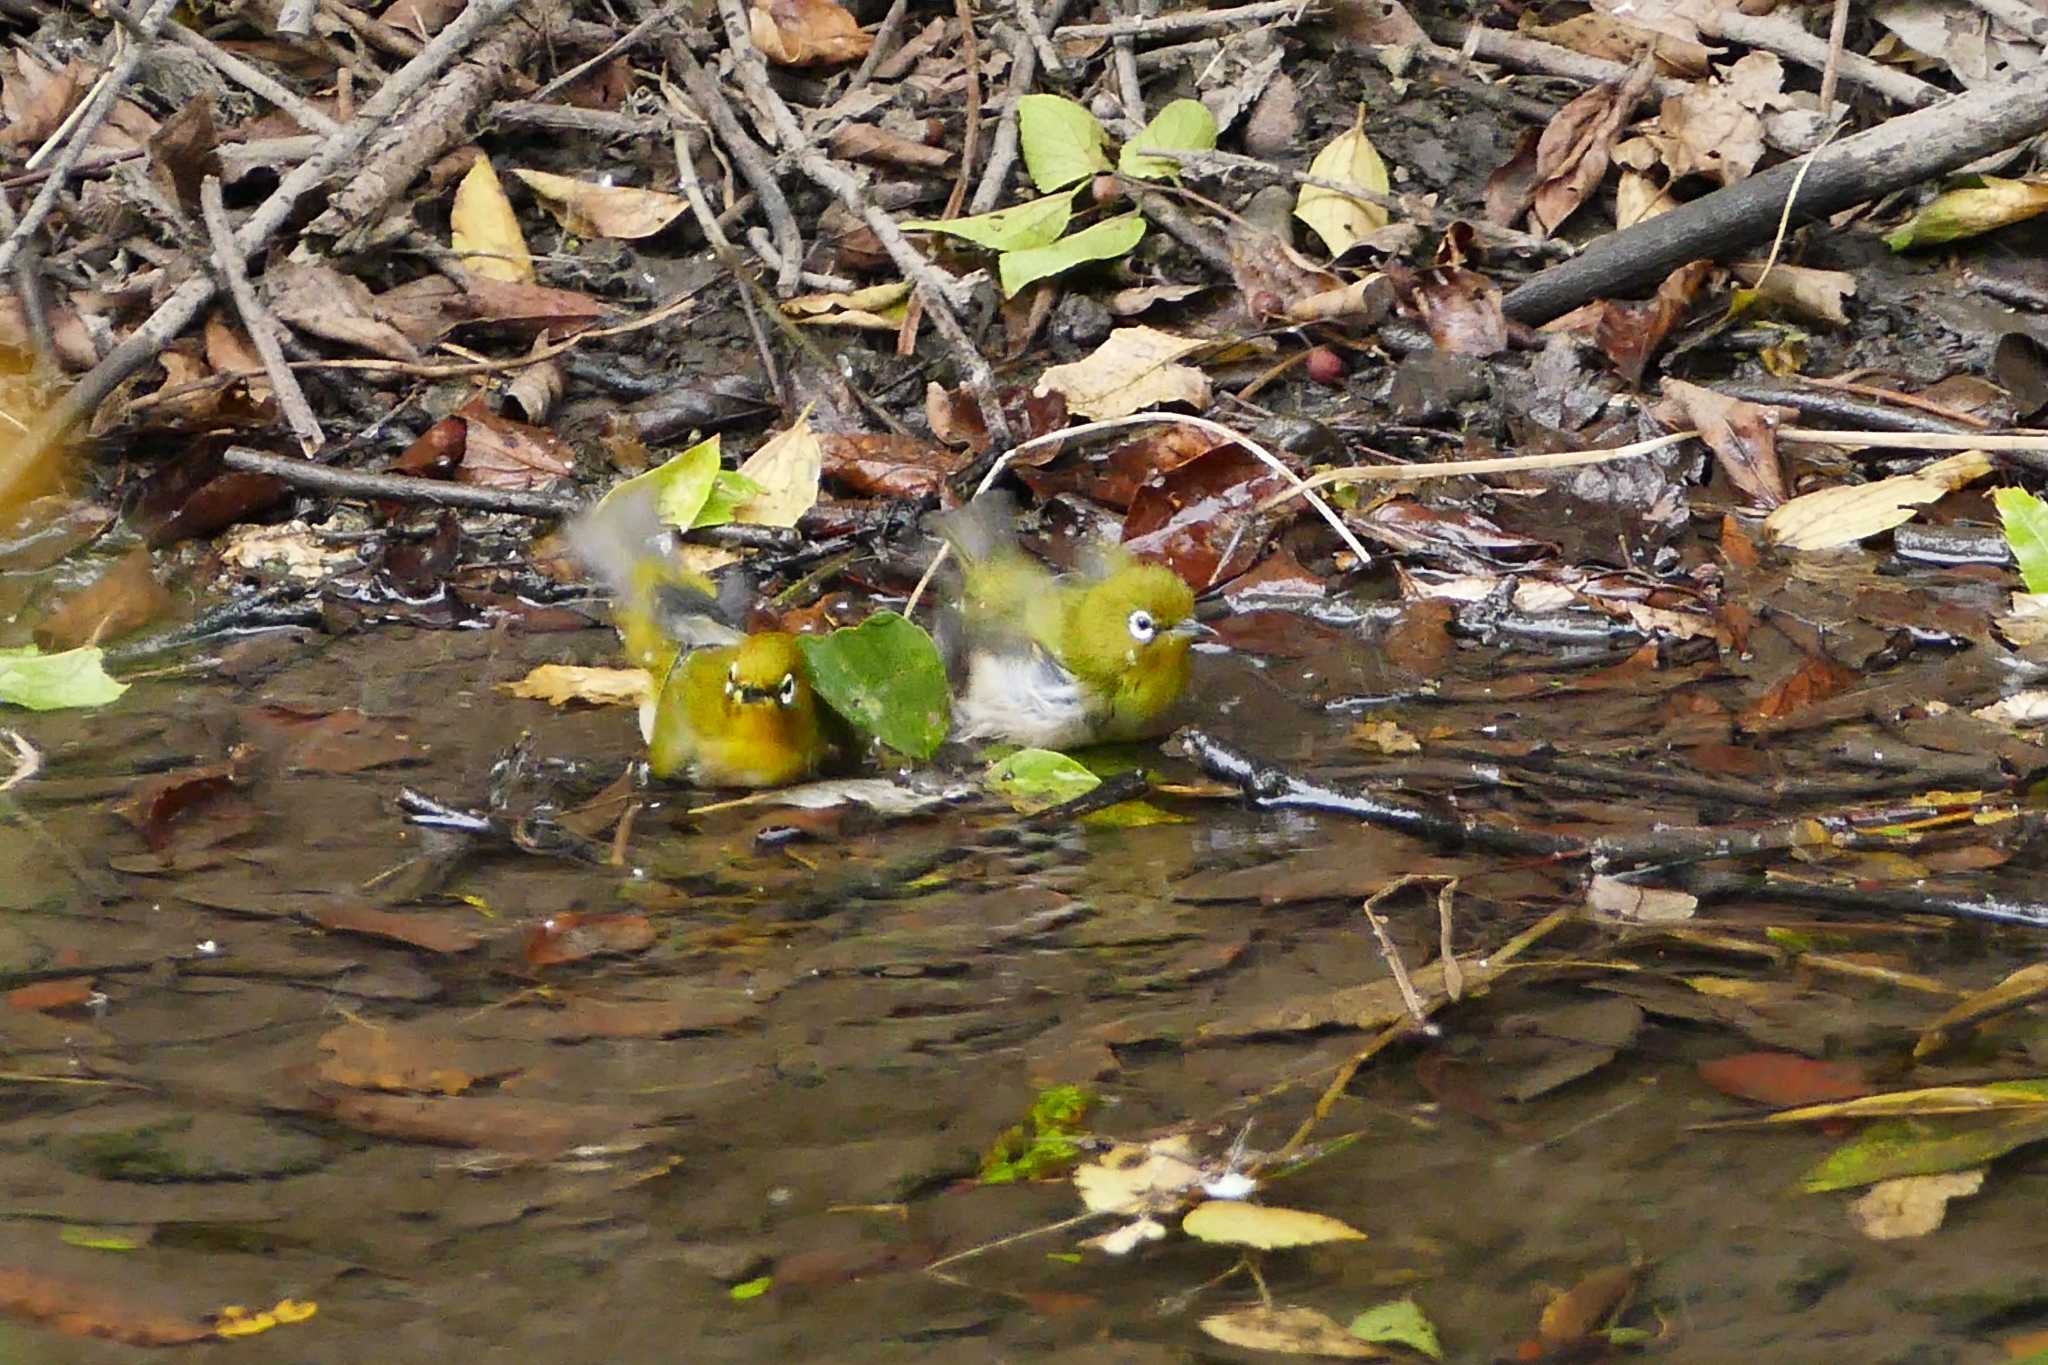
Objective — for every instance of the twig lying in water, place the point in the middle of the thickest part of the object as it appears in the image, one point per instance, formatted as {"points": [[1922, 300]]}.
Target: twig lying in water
{"points": [[1662, 853]]}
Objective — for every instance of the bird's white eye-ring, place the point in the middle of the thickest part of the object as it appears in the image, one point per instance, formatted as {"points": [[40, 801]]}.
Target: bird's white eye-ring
{"points": [[1142, 626], [786, 694], [732, 680]]}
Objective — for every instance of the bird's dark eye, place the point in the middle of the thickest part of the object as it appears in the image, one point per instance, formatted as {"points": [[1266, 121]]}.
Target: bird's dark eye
{"points": [[1142, 626], [787, 693]]}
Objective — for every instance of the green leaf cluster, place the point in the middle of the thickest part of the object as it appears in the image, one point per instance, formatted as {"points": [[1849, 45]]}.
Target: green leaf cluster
{"points": [[1063, 149], [692, 489], [1045, 1144]]}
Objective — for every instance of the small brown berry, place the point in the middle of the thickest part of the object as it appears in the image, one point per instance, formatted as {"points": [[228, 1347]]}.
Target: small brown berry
{"points": [[1325, 366], [1265, 304], [1105, 189]]}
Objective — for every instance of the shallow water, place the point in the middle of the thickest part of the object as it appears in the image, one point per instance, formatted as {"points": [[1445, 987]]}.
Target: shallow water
{"points": [[833, 1068]]}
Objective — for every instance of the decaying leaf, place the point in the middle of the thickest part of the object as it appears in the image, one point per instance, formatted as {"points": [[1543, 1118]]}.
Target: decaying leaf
{"points": [[1289, 1331], [2021, 989], [1846, 513], [593, 210], [321, 301], [1991, 204], [880, 307], [484, 230], [1911, 1205], [1264, 1227], [1743, 435], [1342, 220], [560, 684], [1553, 172], [1139, 1178], [1133, 370], [1578, 1312], [807, 32]]}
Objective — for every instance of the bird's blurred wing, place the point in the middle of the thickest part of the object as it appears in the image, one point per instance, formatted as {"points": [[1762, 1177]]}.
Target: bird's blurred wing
{"points": [[1024, 696]]}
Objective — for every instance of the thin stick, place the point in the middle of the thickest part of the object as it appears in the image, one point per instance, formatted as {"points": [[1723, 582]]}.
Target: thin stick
{"points": [[721, 247], [1302, 488], [885, 38], [1838, 31], [625, 40], [1041, 43], [261, 326], [91, 114], [1024, 59], [1186, 21]]}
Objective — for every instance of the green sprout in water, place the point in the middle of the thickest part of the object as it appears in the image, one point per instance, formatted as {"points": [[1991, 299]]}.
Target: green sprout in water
{"points": [[1045, 1144]]}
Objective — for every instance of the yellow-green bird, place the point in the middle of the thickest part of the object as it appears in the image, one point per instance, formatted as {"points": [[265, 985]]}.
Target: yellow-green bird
{"points": [[1056, 662], [730, 709]]}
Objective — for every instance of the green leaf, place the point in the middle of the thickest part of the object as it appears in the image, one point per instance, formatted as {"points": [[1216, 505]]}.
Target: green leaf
{"points": [[680, 486], [1401, 1322], [51, 682], [2026, 529], [1104, 241], [1062, 142], [1183, 126], [729, 489], [1036, 779], [752, 1289], [1922, 1147], [884, 675], [1018, 228]]}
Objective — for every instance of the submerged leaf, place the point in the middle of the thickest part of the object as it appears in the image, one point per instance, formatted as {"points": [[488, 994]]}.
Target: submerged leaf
{"points": [[1918, 1147], [51, 682], [1061, 141], [1257, 1225], [1338, 218], [1288, 1331], [885, 675], [1103, 241], [1036, 779], [1401, 1322], [1182, 126]]}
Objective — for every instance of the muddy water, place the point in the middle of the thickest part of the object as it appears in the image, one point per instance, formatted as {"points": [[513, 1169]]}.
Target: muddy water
{"points": [[430, 1146]]}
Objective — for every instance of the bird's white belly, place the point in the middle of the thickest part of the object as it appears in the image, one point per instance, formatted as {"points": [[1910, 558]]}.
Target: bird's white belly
{"points": [[1024, 698]]}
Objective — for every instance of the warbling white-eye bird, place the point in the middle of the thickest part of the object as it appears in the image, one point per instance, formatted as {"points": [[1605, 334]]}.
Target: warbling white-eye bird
{"points": [[730, 709], [1058, 662]]}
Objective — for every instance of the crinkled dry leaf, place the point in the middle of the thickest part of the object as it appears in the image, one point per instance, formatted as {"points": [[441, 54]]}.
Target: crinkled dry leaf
{"points": [[1551, 175], [1800, 289], [1831, 517], [1911, 1205], [1139, 1178], [502, 453], [289, 548], [880, 307], [484, 230], [1264, 1227], [321, 301], [1338, 218], [1132, 371], [787, 468], [1289, 1331], [1609, 897], [560, 684], [1618, 40], [807, 32], [592, 210]]}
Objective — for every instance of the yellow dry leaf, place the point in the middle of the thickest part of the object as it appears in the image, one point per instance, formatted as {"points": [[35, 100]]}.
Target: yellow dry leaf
{"points": [[1140, 1178], [485, 232], [1289, 1331], [1132, 371], [1842, 515], [1336, 217], [787, 467], [592, 210], [1257, 1225], [879, 308], [560, 684]]}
